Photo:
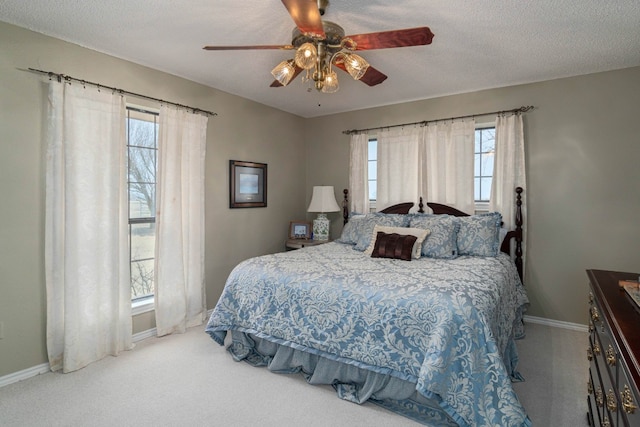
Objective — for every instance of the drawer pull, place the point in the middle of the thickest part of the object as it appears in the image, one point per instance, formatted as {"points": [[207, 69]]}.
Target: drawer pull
{"points": [[627, 400], [590, 297], [589, 354], [611, 356], [589, 386], [612, 404], [595, 314], [591, 327], [606, 422], [599, 397]]}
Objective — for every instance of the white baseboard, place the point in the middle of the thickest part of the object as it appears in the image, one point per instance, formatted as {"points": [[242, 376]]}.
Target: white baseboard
{"points": [[44, 368], [24, 374], [556, 323]]}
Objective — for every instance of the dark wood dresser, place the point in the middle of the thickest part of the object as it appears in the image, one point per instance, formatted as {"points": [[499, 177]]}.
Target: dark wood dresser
{"points": [[614, 351]]}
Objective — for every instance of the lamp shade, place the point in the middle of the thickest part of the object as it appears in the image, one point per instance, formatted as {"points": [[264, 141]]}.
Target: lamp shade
{"points": [[283, 72], [330, 84], [356, 65], [323, 200]]}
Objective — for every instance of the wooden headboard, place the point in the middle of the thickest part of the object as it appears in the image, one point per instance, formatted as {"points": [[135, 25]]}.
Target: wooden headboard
{"points": [[440, 209], [400, 208]]}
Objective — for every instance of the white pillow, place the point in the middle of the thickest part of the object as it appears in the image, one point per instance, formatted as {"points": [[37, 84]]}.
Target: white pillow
{"points": [[420, 234]]}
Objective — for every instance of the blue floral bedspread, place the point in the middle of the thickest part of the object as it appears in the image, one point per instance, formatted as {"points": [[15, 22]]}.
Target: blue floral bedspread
{"points": [[446, 325]]}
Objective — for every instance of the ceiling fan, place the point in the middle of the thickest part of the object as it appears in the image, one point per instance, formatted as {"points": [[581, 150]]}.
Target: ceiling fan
{"points": [[321, 45]]}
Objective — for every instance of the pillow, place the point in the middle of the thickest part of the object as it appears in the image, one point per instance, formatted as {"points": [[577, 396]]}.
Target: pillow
{"points": [[420, 234], [349, 233], [479, 235], [361, 231], [394, 246], [441, 241]]}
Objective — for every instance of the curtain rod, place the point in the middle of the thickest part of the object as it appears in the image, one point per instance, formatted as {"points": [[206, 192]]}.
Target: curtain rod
{"points": [[522, 109], [68, 79]]}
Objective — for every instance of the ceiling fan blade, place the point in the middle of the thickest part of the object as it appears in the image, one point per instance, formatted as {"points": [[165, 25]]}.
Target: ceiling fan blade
{"points": [[371, 77], [395, 38], [306, 15], [268, 46], [276, 83]]}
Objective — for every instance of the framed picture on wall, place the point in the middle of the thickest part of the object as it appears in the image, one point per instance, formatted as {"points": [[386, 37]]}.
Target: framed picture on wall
{"points": [[247, 184], [299, 230]]}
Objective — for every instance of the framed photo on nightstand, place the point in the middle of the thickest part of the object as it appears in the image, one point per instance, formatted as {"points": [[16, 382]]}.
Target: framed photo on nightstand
{"points": [[299, 230]]}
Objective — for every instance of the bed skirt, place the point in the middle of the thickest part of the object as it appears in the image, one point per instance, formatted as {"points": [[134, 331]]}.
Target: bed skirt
{"points": [[352, 383]]}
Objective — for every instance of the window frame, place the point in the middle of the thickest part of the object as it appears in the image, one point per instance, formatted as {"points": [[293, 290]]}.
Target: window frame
{"points": [[372, 202], [145, 303], [481, 205]]}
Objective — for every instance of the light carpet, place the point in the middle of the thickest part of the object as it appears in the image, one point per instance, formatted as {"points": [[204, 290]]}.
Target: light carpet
{"points": [[188, 380]]}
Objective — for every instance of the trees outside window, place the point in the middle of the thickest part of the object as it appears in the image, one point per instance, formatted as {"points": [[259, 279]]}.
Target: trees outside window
{"points": [[142, 150]]}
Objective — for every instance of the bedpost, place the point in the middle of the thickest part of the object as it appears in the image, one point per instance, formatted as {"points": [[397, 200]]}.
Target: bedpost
{"points": [[518, 234], [420, 206], [345, 206]]}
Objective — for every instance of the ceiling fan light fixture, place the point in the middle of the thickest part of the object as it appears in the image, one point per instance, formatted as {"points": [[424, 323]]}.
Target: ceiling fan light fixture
{"points": [[306, 56], [330, 84], [356, 65], [283, 72]]}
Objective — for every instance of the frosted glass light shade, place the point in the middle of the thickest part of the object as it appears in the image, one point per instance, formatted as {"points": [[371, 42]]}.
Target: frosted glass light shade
{"points": [[330, 82], [283, 72], [355, 65], [323, 200], [306, 56]]}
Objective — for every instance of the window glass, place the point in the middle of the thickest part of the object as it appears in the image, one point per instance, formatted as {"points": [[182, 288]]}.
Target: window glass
{"points": [[485, 143], [373, 169], [142, 154]]}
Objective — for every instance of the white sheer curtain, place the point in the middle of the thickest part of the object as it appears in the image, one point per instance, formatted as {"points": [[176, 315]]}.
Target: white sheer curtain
{"points": [[398, 166], [508, 169], [358, 176], [179, 273], [86, 226], [446, 164]]}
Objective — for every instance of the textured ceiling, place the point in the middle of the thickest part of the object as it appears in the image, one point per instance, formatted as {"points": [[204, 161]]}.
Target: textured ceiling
{"points": [[477, 44]]}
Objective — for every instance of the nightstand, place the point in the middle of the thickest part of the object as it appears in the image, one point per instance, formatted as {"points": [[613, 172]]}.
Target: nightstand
{"points": [[301, 243]]}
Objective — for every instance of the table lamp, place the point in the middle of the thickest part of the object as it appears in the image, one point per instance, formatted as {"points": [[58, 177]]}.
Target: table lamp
{"points": [[323, 200]]}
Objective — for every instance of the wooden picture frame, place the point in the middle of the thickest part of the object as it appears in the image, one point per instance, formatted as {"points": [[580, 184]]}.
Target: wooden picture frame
{"points": [[299, 230], [247, 184]]}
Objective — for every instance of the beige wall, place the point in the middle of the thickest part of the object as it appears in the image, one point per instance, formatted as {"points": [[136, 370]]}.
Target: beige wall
{"points": [[582, 151], [583, 192], [243, 130]]}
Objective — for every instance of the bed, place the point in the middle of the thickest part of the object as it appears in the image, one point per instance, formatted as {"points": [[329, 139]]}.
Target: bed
{"points": [[424, 327]]}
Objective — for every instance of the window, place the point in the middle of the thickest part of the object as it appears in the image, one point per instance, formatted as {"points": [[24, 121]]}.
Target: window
{"points": [[373, 171], [142, 153], [485, 146], [485, 143]]}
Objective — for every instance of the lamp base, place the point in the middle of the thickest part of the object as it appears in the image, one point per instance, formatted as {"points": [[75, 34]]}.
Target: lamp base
{"points": [[321, 227]]}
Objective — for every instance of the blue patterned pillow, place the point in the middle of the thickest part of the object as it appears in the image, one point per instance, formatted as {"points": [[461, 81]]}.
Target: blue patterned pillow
{"points": [[360, 229], [441, 242], [479, 235], [349, 233]]}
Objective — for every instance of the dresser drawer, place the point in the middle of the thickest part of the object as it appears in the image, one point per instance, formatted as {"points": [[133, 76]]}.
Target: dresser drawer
{"points": [[603, 367], [613, 352], [595, 410], [628, 398], [607, 354], [605, 395]]}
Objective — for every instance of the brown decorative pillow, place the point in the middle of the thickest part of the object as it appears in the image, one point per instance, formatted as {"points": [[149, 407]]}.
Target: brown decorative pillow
{"points": [[393, 246]]}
